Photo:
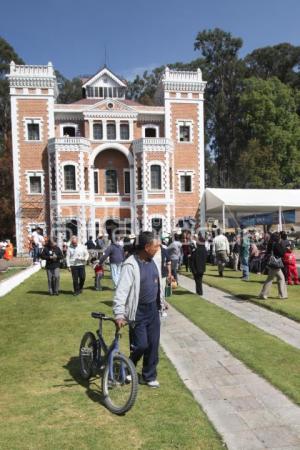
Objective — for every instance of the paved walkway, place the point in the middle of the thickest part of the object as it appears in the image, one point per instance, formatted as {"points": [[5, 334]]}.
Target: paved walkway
{"points": [[285, 329], [10, 283], [247, 411]]}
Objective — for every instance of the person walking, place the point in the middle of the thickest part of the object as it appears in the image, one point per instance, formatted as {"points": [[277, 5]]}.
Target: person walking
{"points": [[115, 252], [138, 300], [236, 250], [245, 249], [175, 254], [198, 263], [53, 256], [77, 256], [221, 250], [275, 252]]}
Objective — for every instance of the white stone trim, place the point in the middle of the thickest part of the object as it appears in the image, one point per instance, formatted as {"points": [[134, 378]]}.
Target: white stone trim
{"points": [[186, 123], [33, 120], [163, 175], [112, 145], [186, 172], [35, 173], [77, 177]]}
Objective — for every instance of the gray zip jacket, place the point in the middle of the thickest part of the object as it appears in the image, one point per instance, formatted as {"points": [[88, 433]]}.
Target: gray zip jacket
{"points": [[127, 294]]}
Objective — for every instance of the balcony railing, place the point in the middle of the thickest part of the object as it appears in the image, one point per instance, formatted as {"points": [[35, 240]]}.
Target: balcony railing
{"points": [[152, 144], [69, 143]]}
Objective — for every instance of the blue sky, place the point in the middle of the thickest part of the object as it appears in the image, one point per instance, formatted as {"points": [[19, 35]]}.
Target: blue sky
{"points": [[138, 34]]}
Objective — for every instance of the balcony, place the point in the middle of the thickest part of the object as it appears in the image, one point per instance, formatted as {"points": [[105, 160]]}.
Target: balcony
{"points": [[74, 144], [152, 145]]}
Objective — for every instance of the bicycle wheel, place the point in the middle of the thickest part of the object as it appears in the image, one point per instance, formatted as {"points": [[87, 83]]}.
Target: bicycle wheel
{"points": [[87, 355], [119, 384]]}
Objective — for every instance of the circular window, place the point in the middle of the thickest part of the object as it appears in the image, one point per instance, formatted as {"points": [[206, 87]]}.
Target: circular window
{"points": [[110, 105]]}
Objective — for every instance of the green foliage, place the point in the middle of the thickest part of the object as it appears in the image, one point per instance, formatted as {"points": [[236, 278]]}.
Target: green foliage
{"points": [[69, 90], [269, 135], [7, 54]]}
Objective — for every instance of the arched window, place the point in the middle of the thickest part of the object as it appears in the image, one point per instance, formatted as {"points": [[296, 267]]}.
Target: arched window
{"points": [[70, 177], [155, 177], [111, 181], [111, 131], [97, 131], [150, 132]]}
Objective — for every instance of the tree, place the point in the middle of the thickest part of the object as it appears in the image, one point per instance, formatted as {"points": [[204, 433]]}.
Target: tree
{"points": [[269, 135], [7, 216], [69, 90], [281, 61], [223, 71]]}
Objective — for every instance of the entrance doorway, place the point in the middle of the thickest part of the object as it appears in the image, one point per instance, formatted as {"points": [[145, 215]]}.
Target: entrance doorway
{"points": [[71, 229], [156, 224]]}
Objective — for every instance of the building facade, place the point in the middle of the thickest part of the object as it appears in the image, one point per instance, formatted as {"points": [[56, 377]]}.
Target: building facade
{"points": [[105, 161]]}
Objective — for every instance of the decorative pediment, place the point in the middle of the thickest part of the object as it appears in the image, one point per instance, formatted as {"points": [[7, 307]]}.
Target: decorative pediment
{"points": [[104, 78], [110, 104]]}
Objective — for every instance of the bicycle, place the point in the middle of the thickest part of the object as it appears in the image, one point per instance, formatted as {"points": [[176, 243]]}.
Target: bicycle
{"points": [[118, 373]]}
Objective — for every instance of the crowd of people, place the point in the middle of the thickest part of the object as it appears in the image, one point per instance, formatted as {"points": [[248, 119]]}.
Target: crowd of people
{"points": [[143, 267]]}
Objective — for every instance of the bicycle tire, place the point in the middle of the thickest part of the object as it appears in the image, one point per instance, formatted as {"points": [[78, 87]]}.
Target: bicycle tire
{"points": [[129, 390], [87, 355]]}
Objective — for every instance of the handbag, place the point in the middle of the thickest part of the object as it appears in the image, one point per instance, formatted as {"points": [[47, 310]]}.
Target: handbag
{"points": [[275, 262]]}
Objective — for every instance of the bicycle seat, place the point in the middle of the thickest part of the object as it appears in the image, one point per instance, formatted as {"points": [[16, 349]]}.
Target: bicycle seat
{"points": [[97, 315]]}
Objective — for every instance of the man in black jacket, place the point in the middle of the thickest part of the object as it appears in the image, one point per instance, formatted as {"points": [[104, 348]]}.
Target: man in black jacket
{"points": [[198, 263], [53, 255]]}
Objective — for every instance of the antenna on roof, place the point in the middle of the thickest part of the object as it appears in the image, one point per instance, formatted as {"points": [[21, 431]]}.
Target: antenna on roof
{"points": [[105, 56]]}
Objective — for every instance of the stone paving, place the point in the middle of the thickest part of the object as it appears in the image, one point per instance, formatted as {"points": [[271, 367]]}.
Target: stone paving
{"points": [[248, 412], [285, 329]]}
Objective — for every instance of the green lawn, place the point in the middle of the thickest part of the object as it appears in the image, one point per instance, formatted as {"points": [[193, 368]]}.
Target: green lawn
{"points": [[9, 273], [45, 405], [268, 356], [231, 282]]}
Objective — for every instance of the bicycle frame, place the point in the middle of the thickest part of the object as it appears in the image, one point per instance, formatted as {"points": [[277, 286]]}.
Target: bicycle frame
{"points": [[110, 351]]}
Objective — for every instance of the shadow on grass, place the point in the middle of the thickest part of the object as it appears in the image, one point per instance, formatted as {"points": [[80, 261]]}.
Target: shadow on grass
{"points": [[91, 386], [104, 288], [47, 293], [108, 303]]}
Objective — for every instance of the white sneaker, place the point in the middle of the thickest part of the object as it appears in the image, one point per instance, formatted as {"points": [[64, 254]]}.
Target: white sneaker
{"points": [[153, 384], [262, 297], [128, 378]]}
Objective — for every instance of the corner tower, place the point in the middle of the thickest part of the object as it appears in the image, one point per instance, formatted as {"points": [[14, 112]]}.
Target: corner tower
{"points": [[183, 96], [32, 91]]}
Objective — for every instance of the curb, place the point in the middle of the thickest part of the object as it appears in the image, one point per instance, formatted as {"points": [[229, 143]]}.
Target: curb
{"points": [[8, 285]]}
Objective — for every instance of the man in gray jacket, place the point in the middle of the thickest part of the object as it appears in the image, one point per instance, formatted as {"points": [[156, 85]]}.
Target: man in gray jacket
{"points": [[138, 301]]}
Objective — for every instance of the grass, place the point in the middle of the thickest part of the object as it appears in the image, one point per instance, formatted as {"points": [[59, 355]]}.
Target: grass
{"points": [[45, 405], [266, 355], [231, 283], [9, 273]]}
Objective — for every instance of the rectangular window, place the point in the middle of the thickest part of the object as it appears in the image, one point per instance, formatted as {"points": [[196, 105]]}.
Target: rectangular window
{"points": [[111, 131], [110, 92], [33, 131], [100, 92], [53, 179], [111, 181], [139, 178], [114, 91], [186, 183], [155, 177], [96, 92], [98, 131], [105, 92], [127, 182], [96, 182], [86, 179], [171, 177], [184, 133], [35, 184], [124, 131]]}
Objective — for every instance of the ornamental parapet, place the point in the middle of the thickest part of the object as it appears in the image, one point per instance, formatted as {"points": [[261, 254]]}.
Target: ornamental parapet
{"points": [[32, 76]]}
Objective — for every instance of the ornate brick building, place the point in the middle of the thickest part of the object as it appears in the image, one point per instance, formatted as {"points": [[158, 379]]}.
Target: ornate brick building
{"points": [[105, 161]]}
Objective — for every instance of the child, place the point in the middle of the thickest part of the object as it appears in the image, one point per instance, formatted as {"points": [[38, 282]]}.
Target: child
{"points": [[290, 263], [99, 272]]}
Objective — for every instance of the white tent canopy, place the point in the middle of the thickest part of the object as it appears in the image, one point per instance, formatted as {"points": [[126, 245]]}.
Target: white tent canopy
{"points": [[250, 200]]}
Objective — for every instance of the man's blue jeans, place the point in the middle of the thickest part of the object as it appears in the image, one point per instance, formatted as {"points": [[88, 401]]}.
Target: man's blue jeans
{"points": [[115, 273], [245, 267]]}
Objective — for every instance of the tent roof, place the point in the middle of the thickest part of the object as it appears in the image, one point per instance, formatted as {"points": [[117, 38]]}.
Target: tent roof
{"points": [[252, 199]]}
